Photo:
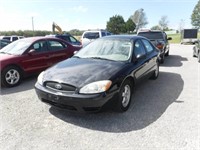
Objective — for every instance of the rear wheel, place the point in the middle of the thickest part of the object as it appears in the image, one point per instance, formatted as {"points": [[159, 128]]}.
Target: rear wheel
{"points": [[124, 96], [11, 76], [167, 54], [162, 59], [194, 54], [156, 72]]}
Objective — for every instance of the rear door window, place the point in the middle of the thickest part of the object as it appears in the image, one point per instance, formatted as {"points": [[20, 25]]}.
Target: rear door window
{"points": [[40, 46], [147, 45], [55, 45]]}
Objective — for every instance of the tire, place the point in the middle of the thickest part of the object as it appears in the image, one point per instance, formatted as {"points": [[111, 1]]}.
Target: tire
{"points": [[11, 76], [156, 72], [167, 54], [199, 57], [194, 54], [124, 96], [162, 59]]}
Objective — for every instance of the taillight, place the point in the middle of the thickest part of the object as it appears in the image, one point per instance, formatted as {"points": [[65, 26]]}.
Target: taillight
{"points": [[159, 46]]}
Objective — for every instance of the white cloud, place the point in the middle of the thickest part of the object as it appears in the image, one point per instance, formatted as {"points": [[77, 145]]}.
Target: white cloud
{"points": [[80, 9]]}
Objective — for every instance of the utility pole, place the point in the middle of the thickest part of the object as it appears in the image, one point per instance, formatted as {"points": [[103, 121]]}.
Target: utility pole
{"points": [[33, 26]]}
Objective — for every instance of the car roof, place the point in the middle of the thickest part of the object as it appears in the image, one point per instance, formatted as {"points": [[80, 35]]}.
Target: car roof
{"points": [[126, 37], [55, 35], [148, 31], [40, 38]]}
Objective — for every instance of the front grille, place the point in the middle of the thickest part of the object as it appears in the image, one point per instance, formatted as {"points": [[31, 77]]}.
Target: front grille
{"points": [[91, 109], [63, 106], [60, 86]]}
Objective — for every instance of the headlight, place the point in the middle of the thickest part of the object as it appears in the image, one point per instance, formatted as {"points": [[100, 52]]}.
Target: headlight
{"points": [[96, 87], [40, 78]]}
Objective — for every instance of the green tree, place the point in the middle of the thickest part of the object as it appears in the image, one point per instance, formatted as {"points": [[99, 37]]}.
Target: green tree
{"points": [[130, 25], [116, 25], [195, 18], [156, 27]]}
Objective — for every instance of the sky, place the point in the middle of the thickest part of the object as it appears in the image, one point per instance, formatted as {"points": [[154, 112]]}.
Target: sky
{"points": [[89, 14]]}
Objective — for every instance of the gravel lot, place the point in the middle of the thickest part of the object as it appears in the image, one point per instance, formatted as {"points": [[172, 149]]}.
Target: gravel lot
{"points": [[166, 115]]}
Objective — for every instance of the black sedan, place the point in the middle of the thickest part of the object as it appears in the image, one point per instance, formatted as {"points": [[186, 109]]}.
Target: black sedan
{"points": [[196, 50], [107, 69]]}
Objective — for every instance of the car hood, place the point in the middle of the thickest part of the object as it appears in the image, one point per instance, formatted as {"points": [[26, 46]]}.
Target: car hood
{"points": [[81, 71], [6, 56]]}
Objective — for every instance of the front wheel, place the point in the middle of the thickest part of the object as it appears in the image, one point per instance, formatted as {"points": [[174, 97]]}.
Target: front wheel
{"points": [[11, 76], [124, 96]]}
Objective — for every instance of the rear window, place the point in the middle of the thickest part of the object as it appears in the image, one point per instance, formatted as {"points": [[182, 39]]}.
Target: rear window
{"points": [[151, 35], [91, 35]]}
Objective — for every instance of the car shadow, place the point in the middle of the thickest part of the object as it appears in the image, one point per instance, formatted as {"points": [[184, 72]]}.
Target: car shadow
{"points": [[27, 84], [174, 61], [152, 98]]}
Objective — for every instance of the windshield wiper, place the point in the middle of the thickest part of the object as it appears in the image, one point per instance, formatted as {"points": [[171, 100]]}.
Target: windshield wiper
{"points": [[100, 58], [5, 53], [76, 57]]}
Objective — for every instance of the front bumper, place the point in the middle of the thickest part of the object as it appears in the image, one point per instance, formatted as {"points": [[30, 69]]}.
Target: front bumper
{"points": [[73, 102]]}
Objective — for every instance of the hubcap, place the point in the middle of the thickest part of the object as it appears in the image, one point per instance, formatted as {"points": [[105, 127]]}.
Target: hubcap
{"points": [[12, 76], [126, 95]]}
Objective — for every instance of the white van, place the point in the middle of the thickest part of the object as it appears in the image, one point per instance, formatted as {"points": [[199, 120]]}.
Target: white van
{"points": [[91, 35], [12, 38]]}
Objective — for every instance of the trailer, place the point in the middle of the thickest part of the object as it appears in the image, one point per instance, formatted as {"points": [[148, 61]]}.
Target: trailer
{"points": [[189, 36]]}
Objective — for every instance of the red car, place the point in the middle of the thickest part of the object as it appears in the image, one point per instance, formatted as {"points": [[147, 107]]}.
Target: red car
{"points": [[31, 55]]}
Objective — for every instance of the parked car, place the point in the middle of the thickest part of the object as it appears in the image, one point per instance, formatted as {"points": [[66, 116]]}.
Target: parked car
{"points": [[91, 35], [12, 38], [196, 50], [67, 37], [159, 39], [31, 55], [3, 43], [105, 70]]}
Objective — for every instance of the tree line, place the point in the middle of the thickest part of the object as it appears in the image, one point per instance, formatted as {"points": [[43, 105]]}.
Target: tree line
{"points": [[31, 33]]}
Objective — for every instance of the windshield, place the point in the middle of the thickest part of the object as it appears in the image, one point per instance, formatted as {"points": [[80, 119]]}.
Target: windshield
{"points": [[151, 35], [17, 47], [111, 49]]}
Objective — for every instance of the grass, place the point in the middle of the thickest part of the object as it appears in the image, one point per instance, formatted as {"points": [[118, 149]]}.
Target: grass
{"points": [[176, 38]]}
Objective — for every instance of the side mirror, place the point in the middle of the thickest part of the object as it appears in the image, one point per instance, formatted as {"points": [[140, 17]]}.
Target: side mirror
{"points": [[31, 52], [139, 56], [169, 38], [75, 52]]}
